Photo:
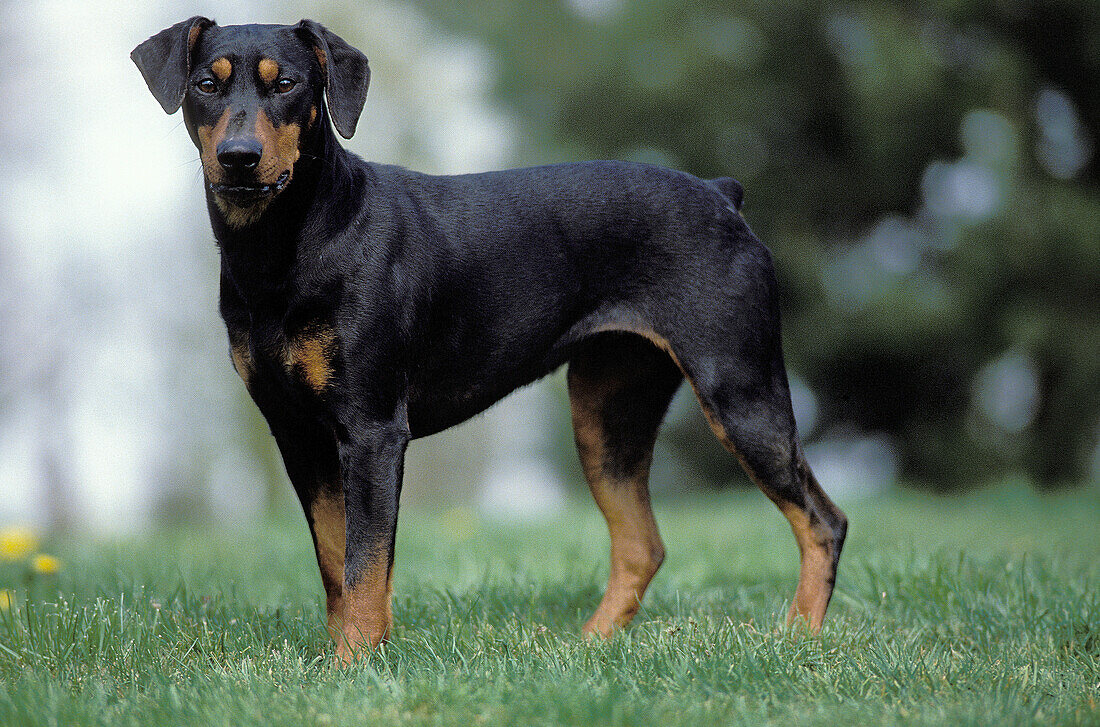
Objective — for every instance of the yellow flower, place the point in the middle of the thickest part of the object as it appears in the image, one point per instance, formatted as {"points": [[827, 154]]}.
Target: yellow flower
{"points": [[7, 598], [46, 564], [17, 543]]}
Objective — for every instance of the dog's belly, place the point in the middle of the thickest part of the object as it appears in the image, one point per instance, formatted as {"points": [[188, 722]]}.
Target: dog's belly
{"points": [[449, 389], [458, 376], [443, 401], [432, 415]]}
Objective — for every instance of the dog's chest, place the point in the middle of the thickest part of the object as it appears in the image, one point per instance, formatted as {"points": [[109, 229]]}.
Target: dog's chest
{"points": [[302, 361]]}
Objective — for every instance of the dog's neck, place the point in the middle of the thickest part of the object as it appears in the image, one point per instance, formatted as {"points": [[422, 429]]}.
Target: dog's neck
{"points": [[259, 258]]}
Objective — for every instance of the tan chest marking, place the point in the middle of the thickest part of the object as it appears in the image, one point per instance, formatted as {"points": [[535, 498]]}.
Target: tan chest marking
{"points": [[309, 356], [306, 356], [328, 527]]}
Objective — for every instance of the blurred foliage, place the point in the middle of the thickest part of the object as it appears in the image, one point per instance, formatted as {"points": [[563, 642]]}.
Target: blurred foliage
{"points": [[924, 175]]}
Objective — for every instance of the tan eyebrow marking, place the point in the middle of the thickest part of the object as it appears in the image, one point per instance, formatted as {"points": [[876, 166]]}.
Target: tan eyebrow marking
{"points": [[269, 70], [222, 68]]}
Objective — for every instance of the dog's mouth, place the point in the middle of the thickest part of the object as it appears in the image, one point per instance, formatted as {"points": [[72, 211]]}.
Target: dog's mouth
{"points": [[245, 195]]}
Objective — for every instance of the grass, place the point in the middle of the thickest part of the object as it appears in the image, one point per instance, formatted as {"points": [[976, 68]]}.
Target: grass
{"points": [[976, 610]]}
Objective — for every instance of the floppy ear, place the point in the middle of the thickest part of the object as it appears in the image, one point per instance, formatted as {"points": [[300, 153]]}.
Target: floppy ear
{"points": [[345, 71], [165, 61]]}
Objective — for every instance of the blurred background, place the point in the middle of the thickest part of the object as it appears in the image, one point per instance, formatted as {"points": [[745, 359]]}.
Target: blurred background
{"points": [[927, 178]]}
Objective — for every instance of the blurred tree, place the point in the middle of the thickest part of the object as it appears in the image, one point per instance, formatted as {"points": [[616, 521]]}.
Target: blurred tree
{"points": [[924, 174]]}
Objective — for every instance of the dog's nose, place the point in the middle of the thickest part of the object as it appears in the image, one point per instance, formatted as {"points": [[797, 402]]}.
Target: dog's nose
{"points": [[239, 155]]}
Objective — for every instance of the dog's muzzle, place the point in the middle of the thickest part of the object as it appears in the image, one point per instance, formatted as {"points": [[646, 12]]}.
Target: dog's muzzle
{"points": [[247, 194]]}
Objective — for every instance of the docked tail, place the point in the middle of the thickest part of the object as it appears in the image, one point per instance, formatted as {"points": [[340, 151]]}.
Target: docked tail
{"points": [[731, 188]]}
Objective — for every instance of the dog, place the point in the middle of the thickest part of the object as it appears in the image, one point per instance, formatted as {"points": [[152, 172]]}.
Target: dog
{"points": [[367, 304]]}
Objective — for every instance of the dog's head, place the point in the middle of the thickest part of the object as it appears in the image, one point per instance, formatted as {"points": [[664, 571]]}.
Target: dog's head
{"points": [[250, 95]]}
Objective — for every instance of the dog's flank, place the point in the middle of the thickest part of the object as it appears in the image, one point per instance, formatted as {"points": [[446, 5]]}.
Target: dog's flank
{"points": [[367, 305]]}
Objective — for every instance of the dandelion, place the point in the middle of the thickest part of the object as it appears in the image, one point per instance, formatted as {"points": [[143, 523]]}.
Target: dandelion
{"points": [[45, 564], [17, 543], [7, 599]]}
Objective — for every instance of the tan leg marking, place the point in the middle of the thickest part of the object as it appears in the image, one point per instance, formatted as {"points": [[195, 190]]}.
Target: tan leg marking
{"points": [[636, 548], [814, 587], [327, 512], [815, 557], [368, 611], [816, 570]]}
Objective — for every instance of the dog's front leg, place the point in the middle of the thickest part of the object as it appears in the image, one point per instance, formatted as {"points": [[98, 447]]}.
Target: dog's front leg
{"points": [[371, 457]]}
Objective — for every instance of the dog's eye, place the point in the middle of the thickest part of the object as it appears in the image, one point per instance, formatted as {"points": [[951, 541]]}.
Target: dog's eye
{"points": [[284, 85], [207, 85]]}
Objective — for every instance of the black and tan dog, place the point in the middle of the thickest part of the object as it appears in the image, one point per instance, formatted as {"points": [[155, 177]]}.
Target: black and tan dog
{"points": [[368, 304]]}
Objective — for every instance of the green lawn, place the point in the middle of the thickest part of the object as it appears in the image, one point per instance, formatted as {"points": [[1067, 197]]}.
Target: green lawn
{"points": [[980, 610]]}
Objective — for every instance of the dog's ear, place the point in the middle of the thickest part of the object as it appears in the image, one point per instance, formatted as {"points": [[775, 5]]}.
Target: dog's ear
{"points": [[165, 61], [345, 71]]}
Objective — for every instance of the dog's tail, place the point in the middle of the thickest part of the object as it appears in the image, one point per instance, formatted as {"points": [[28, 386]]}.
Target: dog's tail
{"points": [[732, 190]]}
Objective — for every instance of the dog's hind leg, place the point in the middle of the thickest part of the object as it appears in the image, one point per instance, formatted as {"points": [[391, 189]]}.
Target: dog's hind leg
{"points": [[777, 465], [772, 457], [733, 360], [620, 387]]}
